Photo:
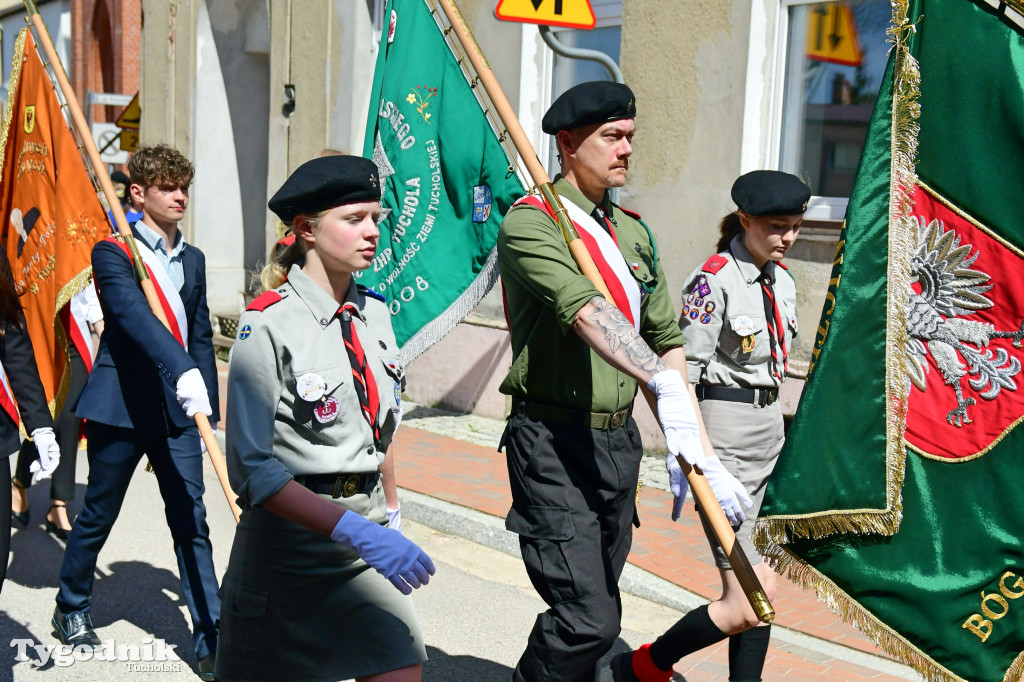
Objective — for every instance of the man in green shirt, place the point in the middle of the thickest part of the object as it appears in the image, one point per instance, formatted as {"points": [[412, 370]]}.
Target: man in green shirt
{"points": [[573, 449]]}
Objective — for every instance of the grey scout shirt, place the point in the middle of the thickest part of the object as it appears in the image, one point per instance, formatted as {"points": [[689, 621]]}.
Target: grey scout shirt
{"points": [[271, 433], [724, 306]]}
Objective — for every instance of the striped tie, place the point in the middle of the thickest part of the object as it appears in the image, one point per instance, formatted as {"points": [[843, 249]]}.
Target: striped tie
{"points": [[362, 377], [776, 332]]}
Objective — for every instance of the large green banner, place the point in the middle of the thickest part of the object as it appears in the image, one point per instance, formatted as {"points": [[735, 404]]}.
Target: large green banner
{"points": [[898, 495], [447, 180]]}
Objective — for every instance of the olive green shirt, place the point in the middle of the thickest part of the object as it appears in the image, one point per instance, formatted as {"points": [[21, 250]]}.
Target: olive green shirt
{"points": [[544, 289]]}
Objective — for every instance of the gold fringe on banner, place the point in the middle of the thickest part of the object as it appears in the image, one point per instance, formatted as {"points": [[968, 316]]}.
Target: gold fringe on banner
{"points": [[772, 532], [849, 611]]}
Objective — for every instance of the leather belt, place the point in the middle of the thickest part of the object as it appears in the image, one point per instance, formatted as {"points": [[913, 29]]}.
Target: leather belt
{"points": [[762, 397], [603, 421], [338, 485]]}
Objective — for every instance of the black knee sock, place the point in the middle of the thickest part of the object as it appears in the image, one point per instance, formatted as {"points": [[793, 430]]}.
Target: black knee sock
{"points": [[747, 652], [692, 632]]}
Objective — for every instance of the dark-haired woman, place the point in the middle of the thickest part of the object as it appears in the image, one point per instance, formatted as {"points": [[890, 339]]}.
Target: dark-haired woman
{"points": [[22, 388], [739, 320], [317, 584], [84, 309]]}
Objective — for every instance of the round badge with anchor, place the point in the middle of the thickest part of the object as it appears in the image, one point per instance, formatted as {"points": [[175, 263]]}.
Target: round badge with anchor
{"points": [[327, 410], [310, 387]]}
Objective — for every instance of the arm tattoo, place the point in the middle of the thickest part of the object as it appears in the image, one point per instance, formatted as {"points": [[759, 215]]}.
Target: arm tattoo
{"points": [[619, 333]]}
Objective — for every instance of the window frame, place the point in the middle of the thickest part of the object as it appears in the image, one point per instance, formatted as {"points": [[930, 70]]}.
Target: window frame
{"points": [[762, 141], [536, 80]]}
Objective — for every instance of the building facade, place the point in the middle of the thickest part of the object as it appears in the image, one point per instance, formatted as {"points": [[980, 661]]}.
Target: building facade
{"points": [[252, 88]]}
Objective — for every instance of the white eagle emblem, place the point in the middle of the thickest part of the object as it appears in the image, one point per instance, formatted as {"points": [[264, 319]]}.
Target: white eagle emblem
{"points": [[937, 324]]}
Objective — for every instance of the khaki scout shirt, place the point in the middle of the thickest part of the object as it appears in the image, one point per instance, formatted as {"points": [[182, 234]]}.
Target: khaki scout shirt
{"points": [[271, 432], [544, 290], [731, 308]]}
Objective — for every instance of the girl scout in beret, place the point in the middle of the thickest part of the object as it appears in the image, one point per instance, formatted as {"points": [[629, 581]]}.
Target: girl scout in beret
{"points": [[739, 320], [314, 390]]}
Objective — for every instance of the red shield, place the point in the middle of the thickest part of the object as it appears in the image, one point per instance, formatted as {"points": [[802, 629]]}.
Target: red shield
{"points": [[965, 324]]}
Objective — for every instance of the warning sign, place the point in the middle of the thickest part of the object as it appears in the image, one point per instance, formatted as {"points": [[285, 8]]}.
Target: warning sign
{"points": [[565, 13], [832, 35], [131, 116]]}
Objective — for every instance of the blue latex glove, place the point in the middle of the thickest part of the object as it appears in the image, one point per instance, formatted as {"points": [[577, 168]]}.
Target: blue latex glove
{"points": [[677, 484], [396, 558]]}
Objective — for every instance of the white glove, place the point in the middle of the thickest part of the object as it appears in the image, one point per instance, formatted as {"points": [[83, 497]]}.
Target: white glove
{"points": [[728, 490], [394, 517], [677, 416], [192, 394], [49, 454], [677, 484]]}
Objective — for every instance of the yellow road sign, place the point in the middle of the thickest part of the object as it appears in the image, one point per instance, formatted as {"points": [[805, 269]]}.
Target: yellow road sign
{"points": [[129, 140], [131, 116], [832, 35], [566, 13]]}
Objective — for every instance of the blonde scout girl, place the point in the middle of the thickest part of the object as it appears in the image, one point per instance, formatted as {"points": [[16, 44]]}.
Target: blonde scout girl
{"points": [[313, 401]]}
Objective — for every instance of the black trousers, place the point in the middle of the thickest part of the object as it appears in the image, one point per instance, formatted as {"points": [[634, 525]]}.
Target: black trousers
{"points": [[573, 503], [67, 428]]}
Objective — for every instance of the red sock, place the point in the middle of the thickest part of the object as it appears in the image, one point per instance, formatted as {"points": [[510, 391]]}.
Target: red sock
{"points": [[644, 668]]}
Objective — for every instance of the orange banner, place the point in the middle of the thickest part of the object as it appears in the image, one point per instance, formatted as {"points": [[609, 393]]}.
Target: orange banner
{"points": [[51, 213]]}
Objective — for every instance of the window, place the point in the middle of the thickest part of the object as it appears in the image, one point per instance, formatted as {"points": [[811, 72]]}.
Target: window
{"points": [[833, 58], [606, 36]]}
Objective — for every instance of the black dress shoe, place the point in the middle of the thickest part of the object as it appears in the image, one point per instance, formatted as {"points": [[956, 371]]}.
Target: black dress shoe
{"points": [[207, 665], [622, 668], [20, 517], [51, 527], [74, 629]]}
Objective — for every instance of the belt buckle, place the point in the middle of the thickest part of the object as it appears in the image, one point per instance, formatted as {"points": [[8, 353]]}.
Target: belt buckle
{"points": [[345, 486], [769, 397], [618, 419]]}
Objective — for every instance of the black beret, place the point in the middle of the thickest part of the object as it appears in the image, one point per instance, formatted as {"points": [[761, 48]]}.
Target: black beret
{"points": [[118, 176], [586, 103], [768, 192], [324, 183]]}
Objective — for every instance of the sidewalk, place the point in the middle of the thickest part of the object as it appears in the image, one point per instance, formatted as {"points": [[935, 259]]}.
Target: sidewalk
{"points": [[454, 480], [453, 459]]}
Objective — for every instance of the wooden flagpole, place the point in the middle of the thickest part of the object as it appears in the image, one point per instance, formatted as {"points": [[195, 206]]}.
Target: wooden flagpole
{"points": [[698, 483], [100, 169]]}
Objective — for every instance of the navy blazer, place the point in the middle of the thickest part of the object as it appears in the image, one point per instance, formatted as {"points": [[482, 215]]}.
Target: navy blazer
{"points": [[23, 374], [132, 382]]}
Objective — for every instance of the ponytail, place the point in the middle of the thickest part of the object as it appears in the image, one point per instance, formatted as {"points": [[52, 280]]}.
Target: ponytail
{"points": [[275, 272], [729, 227]]}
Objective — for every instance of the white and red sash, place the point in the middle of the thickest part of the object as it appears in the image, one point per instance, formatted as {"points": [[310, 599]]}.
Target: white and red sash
{"points": [[7, 401], [77, 323], [170, 299], [605, 252]]}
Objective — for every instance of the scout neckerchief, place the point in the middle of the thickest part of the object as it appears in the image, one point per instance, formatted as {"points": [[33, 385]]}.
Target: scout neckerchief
{"points": [[776, 333], [603, 249], [170, 299], [362, 376]]}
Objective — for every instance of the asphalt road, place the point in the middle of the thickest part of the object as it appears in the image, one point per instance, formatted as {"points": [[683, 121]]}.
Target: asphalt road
{"points": [[476, 613]]}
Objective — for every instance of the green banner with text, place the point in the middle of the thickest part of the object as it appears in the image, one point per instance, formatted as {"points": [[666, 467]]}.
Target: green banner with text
{"points": [[447, 180]]}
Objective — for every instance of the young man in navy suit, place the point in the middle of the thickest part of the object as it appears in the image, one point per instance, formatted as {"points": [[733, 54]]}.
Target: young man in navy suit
{"points": [[145, 386]]}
